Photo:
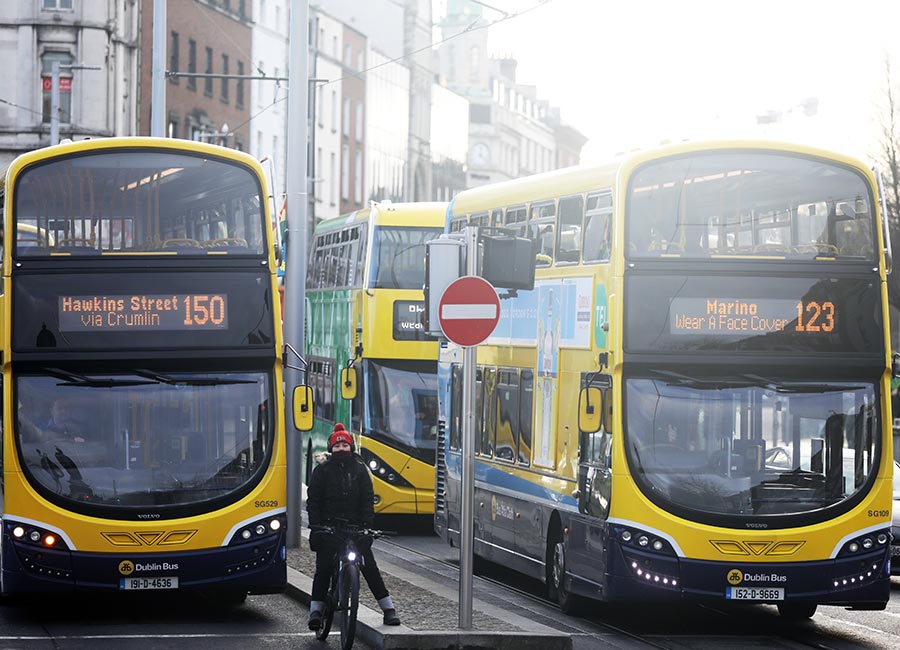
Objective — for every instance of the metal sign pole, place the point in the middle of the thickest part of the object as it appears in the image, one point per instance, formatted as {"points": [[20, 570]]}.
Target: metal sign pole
{"points": [[467, 505], [54, 103]]}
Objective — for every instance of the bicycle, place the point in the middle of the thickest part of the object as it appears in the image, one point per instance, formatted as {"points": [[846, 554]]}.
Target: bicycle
{"points": [[343, 586]]}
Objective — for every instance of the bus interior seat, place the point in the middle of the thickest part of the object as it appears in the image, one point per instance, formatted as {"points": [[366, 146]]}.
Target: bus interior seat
{"points": [[226, 242], [181, 245]]}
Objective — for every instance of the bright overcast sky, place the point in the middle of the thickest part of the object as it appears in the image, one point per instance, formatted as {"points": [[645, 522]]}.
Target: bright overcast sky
{"points": [[633, 73]]}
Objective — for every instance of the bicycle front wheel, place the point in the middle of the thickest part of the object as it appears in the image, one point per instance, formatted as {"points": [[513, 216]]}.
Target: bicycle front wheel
{"points": [[348, 599]]}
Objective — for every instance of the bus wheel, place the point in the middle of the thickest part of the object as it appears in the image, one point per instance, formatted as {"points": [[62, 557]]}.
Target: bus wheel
{"points": [[796, 611], [556, 576]]}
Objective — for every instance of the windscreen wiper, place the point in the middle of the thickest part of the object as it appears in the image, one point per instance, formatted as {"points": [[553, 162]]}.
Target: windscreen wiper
{"points": [[72, 379], [197, 381]]}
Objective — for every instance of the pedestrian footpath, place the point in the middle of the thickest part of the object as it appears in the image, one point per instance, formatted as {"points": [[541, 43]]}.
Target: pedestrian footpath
{"points": [[426, 594]]}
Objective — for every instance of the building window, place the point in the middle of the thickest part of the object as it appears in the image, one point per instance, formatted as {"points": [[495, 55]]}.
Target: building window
{"points": [[173, 57], [345, 172], [359, 121], [239, 99], [56, 4], [348, 55], [332, 172], [317, 167], [358, 178], [65, 85], [192, 63], [224, 79], [208, 82], [172, 127], [345, 117], [334, 110]]}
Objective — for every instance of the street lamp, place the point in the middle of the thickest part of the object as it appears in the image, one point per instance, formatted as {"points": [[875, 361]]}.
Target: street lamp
{"points": [[55, 67]]}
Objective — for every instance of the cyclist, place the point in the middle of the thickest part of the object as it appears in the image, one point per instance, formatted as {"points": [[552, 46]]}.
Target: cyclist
{"points": [[341, 489]]}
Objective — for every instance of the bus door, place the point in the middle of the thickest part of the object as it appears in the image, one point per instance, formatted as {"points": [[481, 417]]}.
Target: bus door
{"points": [[587, 532]]}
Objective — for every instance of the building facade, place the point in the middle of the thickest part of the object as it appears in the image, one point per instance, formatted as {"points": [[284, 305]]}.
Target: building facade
{"points": [[207, 37], [268, 97], [96, 47], [512, 132]]}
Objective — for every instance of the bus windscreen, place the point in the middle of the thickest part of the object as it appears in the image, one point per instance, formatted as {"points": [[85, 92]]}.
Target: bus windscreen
{"points": [[137, 201], [749, 204]]}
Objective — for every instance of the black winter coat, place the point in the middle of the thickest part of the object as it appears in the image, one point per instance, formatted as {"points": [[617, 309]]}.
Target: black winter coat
{"points": [[341, 489]]}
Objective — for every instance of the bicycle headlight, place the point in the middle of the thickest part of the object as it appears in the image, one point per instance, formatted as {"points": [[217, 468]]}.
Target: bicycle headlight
{"points": [[351, 556]]}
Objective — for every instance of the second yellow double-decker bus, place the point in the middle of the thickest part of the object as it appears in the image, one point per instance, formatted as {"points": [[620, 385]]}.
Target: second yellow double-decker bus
{"points": [[693, 402], [143, 443], [366, 311]]}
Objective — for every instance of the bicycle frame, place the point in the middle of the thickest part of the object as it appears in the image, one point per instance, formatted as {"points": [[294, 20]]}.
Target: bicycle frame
{"points": [[343, 589]]}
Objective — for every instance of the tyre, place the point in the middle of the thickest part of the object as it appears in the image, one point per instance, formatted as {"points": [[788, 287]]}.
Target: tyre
{"points": [[797, 611], [348, 603], [556, 576]]}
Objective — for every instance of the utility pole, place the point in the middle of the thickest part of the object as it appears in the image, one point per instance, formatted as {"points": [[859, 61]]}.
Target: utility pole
{"points": [[158, 73], [55, 67], [295, 265]]}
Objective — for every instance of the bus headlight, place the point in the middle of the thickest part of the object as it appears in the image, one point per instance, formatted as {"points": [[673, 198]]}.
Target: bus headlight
{"points": [[253, 531], [382, 471]]}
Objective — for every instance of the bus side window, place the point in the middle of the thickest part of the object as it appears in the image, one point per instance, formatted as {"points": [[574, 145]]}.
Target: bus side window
{"points": [[479, 219], [507, 412], [455, 407], [479, 412], [543, 225], [489, 419], [598, 227], [526, 404], [361, 256], [568, 247], [515, 218]]}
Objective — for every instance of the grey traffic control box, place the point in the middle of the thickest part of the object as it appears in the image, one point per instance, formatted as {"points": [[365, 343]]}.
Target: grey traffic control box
{"points": [[445, 260]]}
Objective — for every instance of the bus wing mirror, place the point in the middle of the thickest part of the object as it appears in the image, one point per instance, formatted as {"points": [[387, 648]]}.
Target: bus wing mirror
{"points": [[590, 409], [348, 383], [303, 408], [895, 365]]}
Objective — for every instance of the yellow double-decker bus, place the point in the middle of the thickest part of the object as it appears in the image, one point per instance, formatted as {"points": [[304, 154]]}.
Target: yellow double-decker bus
{"points": [[143, 443], [365, 299], [693, 401]]}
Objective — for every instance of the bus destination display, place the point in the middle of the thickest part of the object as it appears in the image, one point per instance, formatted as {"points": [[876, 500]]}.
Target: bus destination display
{"points": [[742, 317], [173, 312]]}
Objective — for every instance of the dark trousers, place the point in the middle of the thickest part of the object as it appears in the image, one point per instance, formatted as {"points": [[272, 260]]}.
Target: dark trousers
{"points": [[325, 560]]}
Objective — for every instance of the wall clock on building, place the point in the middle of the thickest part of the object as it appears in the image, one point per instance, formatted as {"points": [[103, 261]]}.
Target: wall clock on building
{"points": [[481, 154]]}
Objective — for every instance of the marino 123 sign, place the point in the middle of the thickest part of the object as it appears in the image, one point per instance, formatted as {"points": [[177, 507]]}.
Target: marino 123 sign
{"points": [[86, 313], [753, 313], [739, 316]]}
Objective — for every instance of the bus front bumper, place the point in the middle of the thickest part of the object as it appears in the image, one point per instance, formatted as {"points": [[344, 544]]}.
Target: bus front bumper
{"points": [[258, 567]]}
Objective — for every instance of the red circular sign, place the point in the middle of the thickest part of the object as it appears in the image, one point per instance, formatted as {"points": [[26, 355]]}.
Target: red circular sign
{"points": [[468, 310]]}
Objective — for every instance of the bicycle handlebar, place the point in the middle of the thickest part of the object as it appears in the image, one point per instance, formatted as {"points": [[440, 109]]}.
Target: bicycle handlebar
{"points": [[346, 529]]}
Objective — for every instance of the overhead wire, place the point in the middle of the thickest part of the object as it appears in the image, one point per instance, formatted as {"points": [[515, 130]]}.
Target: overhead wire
{"points": [[472, 27]]}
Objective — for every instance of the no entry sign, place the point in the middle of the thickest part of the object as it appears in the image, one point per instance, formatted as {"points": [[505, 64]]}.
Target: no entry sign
{"points": [[468, 310]]}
